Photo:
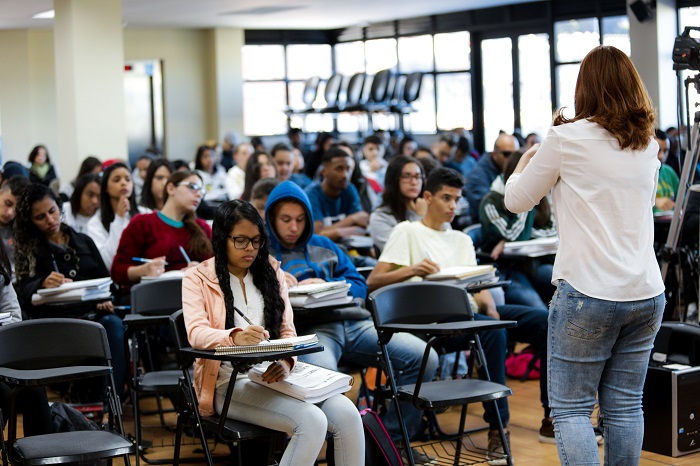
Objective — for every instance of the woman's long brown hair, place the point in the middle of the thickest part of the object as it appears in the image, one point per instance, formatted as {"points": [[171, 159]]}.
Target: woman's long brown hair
{"points": [[200, 246]]}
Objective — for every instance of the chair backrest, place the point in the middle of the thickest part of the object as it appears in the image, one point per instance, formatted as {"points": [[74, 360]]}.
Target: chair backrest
{"points": [[399, 84], [380, 86], [51, 343], [418, 303], [177, 323], [474, 232], [157, 297], [411, 90], [333, 90], [355, 86], [310, 90]]}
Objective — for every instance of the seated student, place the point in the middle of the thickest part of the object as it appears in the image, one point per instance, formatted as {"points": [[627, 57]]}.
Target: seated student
{"points": [[531, 279], [138, 175], [667, 186], [347, 332], [417, 249], [323, 143], [40, 168], [259, 166], [84, 203], [335, 203], [402, 199], [243, 278], [261, 191], [373, 165], [408, 147], [462, 160], [212, 174], [157, 175], [90, 165], [235, 178], [49, 253], [31, 402], [284, 159], [367, 188], [117, 208], [161, 235], [9, 196]]}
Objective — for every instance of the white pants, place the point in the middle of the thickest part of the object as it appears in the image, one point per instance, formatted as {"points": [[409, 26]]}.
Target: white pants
{"points": [[306, 423]]}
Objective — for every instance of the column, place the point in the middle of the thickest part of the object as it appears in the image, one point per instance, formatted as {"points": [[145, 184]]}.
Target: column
{"points": [[226, 96]]}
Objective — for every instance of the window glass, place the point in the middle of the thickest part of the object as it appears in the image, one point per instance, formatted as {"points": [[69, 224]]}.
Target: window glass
{"points": [[380, 54], [575, 38], [535, 84], [263, 108], [416, 53], [566, 86], [452, 51], [263, 62], [498, 88], [349, 58], [616, 32], [423, 119], [454, 101], [305, 61]]}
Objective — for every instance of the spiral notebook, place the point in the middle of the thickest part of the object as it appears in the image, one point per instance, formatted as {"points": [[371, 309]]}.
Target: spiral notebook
{"points": [[282, 344]]}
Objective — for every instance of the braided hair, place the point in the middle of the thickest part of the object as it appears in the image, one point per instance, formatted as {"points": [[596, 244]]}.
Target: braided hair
{"points": [[264, 276]]}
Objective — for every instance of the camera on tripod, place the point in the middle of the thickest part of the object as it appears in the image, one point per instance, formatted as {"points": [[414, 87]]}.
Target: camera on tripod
{"points": [[686, 51]]}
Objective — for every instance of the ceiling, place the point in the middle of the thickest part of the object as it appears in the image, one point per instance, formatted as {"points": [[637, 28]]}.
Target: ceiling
{"points": [[251, 14]]}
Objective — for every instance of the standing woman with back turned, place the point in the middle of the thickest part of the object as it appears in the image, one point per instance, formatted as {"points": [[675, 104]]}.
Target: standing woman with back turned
{"points": [[609, 302], [242, 276]]}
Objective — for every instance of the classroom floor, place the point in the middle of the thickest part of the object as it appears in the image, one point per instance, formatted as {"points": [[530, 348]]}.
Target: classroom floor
{"points": [[526, 416]]}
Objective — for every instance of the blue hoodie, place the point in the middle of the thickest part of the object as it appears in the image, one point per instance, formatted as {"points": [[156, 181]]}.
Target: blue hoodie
{"points": [[314, 256]]}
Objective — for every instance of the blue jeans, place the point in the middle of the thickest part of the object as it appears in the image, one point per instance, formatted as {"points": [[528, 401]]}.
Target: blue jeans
{"points": [[604, 347], [115, 337], [356, 341], [522, 289]]}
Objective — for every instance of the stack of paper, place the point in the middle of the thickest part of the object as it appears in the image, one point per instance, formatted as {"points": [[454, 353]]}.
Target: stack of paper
{"points": [[533, 248], [320, 294], [306, 382], [5, 317], [169, 275], [73, 292], [467, 273]]}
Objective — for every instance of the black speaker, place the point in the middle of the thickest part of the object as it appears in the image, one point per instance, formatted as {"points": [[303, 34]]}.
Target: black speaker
{"points": [[641, 10]]}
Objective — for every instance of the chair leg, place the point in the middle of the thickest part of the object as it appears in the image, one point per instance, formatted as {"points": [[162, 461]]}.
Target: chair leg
{"points": [[395, 401], [502, 434], [462, 421]]}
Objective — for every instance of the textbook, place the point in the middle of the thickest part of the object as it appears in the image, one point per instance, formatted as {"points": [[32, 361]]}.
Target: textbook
{"points": [[316, 288], [306, 382], [81, 284], [281, 344], [74, 292], [334, 294], [533, 248], [5, 317], [463, 273]]}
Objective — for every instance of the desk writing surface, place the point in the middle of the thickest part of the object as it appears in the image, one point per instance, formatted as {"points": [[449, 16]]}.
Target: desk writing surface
{"points": [[251, 358]]}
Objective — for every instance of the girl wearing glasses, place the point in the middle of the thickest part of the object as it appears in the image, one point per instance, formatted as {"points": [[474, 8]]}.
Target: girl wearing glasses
{"points": [[162, 236], [602, 167], [242, 274], [117, 208], [401, 199]]}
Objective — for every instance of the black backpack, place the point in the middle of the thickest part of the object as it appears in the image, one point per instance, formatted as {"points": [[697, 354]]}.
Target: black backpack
{"points": [[67, 419]]}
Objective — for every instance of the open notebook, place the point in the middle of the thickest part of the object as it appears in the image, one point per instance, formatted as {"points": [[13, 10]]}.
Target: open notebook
{"points": [[281, 344]]}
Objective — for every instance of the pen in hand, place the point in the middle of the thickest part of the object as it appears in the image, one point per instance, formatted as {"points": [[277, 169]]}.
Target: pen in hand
{"points": [[184, 254], [145, 261], [246, 319]]}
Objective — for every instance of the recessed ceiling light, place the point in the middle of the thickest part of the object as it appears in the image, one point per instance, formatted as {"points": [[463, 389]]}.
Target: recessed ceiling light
{"points": [[44, 15]]}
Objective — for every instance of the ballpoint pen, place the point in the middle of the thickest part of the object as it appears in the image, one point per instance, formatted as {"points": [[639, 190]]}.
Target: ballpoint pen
{"points": [[145, 261], [247, 319], [184, 254]]}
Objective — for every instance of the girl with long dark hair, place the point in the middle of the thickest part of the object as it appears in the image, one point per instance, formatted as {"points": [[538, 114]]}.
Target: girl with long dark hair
{"points": [[153, 186], [84, 202], [164, 234], [243, 276], [259, 166], [212, 174], [602, 167], [40, 168], [402, 198], [117, 208], [50, 253], [91, 165]]}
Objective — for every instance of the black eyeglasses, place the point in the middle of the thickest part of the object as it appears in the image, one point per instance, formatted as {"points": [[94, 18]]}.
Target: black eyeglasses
{"points": [[194, 187], [242, 242], [411, 176], [506, 153]]}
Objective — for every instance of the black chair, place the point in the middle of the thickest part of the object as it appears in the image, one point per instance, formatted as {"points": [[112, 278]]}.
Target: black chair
{"points": [[308, 96], [229, 430], [152, 302], [436, 311], [336, 93], [47, 351]]}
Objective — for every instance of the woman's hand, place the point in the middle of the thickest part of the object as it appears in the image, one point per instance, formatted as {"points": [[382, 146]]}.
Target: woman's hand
{"points": [[311, 281], [276, 372], [290, 279], [419, 206], [55, 280], [251, 335], [664, 203], [424, 268], [107, 306], [498, 249], [123, 206], [154, 268]]}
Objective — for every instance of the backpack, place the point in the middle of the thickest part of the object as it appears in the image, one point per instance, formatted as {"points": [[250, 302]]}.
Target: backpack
{"points": [[523, 365], [379, 448], [67, 419]]}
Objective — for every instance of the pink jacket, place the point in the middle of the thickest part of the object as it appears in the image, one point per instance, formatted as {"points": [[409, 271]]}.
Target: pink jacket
{"points": [[205, 319]]}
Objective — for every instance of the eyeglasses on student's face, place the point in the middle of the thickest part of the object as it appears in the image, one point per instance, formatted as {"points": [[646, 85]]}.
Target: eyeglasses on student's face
{"points": [[242, 242], [194, 187], [505, 153], [411, 176]]}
